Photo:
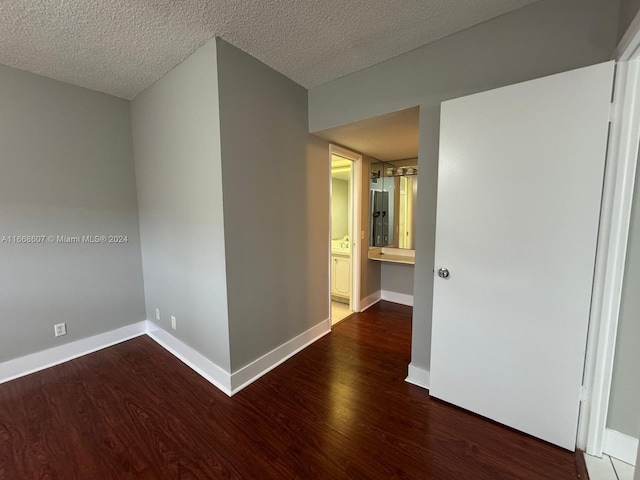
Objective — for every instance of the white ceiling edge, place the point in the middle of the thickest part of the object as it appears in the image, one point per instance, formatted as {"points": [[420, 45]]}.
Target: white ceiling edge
{"points": [[120, 47]]}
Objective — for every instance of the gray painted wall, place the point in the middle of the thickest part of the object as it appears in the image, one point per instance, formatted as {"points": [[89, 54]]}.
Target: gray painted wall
{"points": [[397, 277], [624, 402], [176, 131], [547, 37], [66, 168], [628, 11], [276, 203]]}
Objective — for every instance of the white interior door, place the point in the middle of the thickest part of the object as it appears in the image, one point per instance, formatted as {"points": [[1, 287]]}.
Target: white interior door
{"points": [[519, 188]]}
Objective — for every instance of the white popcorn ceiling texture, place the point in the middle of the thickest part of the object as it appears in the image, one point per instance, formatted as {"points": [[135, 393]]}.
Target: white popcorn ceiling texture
{"points": [[120, 47]]}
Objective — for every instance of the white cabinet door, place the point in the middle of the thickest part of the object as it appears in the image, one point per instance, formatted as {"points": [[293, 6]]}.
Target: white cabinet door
{"points": [[341, 276], [519, 189]]}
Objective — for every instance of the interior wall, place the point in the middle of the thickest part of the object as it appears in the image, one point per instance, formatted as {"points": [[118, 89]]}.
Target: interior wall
{"points": [[339, 208], [176, 131], [628, 10], [546, 37], [66, 166], [397, 277], [624, 414], [276, 200]]}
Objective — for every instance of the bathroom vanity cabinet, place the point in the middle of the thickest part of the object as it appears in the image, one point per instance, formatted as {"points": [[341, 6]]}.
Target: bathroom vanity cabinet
{"points": [[340, 276]]}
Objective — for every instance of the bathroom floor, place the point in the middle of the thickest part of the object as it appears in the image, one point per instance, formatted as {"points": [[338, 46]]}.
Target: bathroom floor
{"points": [[339, 311], [608, 468]]}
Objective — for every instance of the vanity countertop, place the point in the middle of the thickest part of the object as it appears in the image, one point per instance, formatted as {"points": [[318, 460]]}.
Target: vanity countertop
{"points": [[393, 255], [340, 246]]}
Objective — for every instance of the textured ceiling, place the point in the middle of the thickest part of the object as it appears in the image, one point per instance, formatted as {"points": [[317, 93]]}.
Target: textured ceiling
{"points": [[393, 136], [122, 46]]}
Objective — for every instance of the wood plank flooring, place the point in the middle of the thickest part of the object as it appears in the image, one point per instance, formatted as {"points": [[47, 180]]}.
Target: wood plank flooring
{"points": [[339, 409]]}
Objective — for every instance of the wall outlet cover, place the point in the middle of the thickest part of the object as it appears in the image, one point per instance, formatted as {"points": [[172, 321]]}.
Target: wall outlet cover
{"points": [[60, 329], [173, 322]]}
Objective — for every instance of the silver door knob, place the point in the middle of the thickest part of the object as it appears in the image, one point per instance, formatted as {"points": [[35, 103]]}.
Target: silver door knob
{"points": [[443, 273]]}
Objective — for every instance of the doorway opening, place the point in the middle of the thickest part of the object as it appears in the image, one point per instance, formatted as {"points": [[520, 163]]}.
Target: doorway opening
{"points": [[345, 227], [388, 151]]}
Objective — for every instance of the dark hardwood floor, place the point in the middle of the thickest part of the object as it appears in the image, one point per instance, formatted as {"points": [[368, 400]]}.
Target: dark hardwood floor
{"points": [[339, 409]]}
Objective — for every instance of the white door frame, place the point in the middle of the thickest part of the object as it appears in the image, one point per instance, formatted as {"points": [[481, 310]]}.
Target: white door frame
{"points": [[356, 222], [612, 242]]}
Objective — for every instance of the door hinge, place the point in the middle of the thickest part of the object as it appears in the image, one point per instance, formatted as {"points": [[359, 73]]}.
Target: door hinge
{"points": [[584, 394], [613, 109]]}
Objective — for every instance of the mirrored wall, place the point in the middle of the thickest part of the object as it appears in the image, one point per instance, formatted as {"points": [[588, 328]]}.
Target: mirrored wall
{"points": [[393, 194]]}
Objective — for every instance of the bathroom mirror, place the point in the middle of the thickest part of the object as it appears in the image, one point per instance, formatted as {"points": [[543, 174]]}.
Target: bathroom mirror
{"points": [[393, 193]]}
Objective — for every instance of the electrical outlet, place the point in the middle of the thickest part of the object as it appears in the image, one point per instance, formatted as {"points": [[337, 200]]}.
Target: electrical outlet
{"points": [[60, 329], [174, 324], [157, 314]]}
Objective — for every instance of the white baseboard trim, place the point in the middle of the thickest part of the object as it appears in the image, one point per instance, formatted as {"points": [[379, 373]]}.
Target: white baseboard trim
{"points": [[200, 364], [370, 301], [395, 297], [621, 446], [418, 376], [34, 362], [220, 378], [256, 369]]}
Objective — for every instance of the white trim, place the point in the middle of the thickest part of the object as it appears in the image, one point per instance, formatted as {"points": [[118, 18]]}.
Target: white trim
{"points": [[204, 367], [610, 257], [356, 229], [256, 369], [418, 376], [370, 301], [612, 243], [220, 378], [395, 297], [621, 446], [329, 255], [629, 46], [34, 362]]}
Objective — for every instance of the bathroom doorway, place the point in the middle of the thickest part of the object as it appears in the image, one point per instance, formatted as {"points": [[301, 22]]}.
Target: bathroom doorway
{"points": [[344, 247]]}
